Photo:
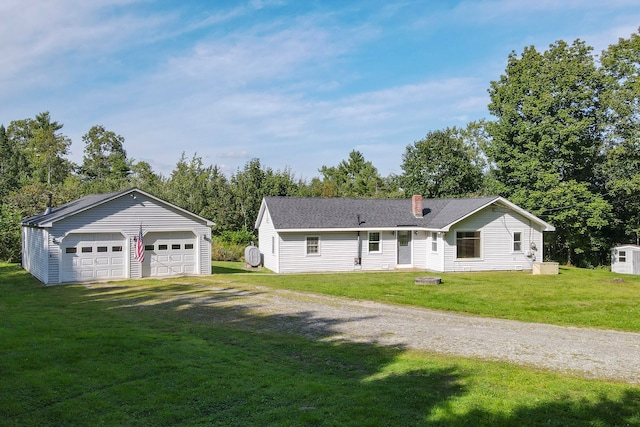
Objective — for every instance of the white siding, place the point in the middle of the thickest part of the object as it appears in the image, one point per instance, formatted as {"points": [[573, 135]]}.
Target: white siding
{"points": [[125, 215], [338, 251], [385, 259], [268, 243], [496, 226], [435, 259], [421, 249], [35, 259], [628, 266]]}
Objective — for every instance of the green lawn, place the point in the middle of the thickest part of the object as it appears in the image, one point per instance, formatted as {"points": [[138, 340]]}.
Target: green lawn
{"points": [[578, 297], [138, 353]]}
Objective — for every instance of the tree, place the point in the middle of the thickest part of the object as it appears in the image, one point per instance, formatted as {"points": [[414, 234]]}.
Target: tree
{"points": [[621, 167], [105, 161], [443, 164], [189, 185], [48, 147], [143, 177], [355, 177], [548, 138], [13, 165]]}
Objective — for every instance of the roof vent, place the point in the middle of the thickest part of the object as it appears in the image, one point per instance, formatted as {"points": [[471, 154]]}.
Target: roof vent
{"points": [[47, 211], [417, 205]]}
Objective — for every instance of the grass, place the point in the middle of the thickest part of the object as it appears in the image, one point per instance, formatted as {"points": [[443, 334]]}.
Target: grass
{"points": [[577, 297], [140, 353]]}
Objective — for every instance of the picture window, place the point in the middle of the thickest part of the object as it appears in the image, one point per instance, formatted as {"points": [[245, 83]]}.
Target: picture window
{"points": [[468, 244]]}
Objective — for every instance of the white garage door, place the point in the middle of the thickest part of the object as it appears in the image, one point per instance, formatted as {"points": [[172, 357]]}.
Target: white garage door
{"points": [[95, 256], [169, 254]]}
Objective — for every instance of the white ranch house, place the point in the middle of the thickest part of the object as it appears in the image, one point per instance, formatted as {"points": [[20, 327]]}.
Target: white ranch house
{"points": [[625, 259], [95, 238], [444, 235]]}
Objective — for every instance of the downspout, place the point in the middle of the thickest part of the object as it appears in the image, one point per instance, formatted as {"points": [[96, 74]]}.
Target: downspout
{"points": [[358, 259]]}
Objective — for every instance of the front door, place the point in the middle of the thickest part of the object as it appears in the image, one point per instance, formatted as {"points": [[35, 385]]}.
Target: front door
{"points": [[404, 247]]}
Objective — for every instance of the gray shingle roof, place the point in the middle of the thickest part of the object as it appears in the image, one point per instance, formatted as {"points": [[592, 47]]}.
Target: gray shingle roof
{"points": [[325, 213], [70, 208], [88, 202]]}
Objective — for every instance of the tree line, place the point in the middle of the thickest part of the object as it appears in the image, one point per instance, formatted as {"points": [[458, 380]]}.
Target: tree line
{"points": [[563, 142]]}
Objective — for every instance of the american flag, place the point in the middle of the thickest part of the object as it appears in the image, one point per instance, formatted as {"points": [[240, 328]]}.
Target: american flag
{"points": [[140, 247]]}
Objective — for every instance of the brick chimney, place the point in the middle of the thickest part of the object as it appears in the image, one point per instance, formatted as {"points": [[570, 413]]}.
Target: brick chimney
{"points": [[417, 205]]}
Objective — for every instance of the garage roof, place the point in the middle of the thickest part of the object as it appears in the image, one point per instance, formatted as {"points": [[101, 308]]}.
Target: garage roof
{"points": [[58, 213]]}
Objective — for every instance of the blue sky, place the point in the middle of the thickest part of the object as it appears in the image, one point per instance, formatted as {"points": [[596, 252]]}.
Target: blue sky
{"points": [[296, 84]]}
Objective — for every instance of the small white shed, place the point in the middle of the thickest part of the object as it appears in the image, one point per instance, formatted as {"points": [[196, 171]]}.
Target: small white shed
{"points": [[625, 259], [123, 235]]}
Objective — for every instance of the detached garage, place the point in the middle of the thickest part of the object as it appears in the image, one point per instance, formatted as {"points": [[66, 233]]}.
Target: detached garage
{"points": [[122, 235]]}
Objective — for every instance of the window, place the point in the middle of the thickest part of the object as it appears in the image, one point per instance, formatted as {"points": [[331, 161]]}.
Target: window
{"points": [[622, 256], [313, 245], [374, 241], [434, 242], [175, 246], [87, 249], [116, 248], [517, 241], [162, 247], [468, 244], [102, 249], [273, 244], [188, 245], [148, 247], [70, 250]]}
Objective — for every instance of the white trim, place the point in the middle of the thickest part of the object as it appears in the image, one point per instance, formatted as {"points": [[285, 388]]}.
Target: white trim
{"points": [[306, 246], [513, 241], [369, 242], [508, 204]]}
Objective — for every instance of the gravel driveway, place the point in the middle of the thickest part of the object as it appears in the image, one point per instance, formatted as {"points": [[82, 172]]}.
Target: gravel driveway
{"points": [[591, 353]]}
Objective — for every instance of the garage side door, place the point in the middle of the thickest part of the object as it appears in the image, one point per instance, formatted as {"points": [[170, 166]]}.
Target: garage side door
{"points": [[93, 256], [169, 254]]}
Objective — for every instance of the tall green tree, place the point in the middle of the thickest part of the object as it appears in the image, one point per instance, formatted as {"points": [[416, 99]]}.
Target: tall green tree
{"points": [[49, 148], [547, 139], [445, 163], [354, 177], [189, 185], [621, 167], [105, 165], [13, 165], [43, 146]]}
